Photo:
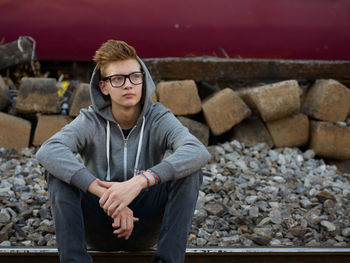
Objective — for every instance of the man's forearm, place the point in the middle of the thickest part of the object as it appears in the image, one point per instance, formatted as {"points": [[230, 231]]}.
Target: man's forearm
{"points": [[96, 189]]}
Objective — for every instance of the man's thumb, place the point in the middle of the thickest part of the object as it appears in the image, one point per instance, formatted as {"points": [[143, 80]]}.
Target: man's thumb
{"points": [[104, 183]]}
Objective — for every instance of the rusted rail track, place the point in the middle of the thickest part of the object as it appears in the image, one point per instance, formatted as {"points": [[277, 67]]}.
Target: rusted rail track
{"points": [[198, 255]]}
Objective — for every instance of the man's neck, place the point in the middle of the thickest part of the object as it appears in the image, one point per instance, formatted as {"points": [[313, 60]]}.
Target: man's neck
{"points": [[126, 117]]}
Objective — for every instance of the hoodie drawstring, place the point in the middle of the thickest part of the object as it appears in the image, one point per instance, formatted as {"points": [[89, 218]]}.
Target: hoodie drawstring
{"points": [[108, 177]]}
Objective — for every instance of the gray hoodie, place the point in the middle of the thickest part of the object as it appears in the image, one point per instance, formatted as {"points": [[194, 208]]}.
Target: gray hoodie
{"points": [[87, 135]]}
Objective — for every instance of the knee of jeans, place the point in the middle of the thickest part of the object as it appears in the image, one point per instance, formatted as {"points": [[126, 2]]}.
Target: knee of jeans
{"points": [[59, 189], [195, 179], [200, 178]]}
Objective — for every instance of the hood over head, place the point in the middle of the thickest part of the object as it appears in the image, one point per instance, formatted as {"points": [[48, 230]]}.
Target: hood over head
{"points": [[102, 103]]}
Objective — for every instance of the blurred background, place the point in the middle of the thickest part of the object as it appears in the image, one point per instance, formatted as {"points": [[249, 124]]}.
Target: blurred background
{"points": [[72, 30]]}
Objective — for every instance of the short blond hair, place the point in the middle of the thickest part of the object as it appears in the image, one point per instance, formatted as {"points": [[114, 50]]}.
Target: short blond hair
{"points": [[113, 50]]}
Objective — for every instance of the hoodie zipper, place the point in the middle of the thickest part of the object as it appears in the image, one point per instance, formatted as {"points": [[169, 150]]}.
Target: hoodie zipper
{"points": [[125, 161], [125, 142]]}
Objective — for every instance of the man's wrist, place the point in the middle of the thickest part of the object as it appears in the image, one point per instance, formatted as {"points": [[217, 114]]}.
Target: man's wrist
{"points": [[140, 181], [95, 189], [145, 179]]}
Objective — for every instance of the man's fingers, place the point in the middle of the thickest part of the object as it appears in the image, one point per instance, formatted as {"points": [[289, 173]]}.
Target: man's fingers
{"points": [[116, 223], [104, 183], [118, 210], [118, 231], [111, 205], [130, 227], [126, 227], [111, 209], [103, 199], [121, 206], [124, 224]]}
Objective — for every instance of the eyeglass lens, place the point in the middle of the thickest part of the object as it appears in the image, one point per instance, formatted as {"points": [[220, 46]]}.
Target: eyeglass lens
{"points": [[119, 80]]}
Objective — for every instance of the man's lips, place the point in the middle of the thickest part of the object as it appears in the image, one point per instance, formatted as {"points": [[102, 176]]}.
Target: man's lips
{"points": [[129, 95]]}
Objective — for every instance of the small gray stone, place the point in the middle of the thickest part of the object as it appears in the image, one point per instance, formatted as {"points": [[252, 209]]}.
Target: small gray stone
{"points": [[242, 165], [273, 155], [5, 217], [309, 154], [214, 208], [275, 243], [306, 203], [279, 179], [275, 216], [328, 225], [231, 239], [346, 232], [201, 242], [26, 196], [254, 211], [52, 242], [202, 233], [260, 240], [233, 156], [263, 232], [227, 147], [251, 199], [236, 144], [26, 243], [5, 243]]}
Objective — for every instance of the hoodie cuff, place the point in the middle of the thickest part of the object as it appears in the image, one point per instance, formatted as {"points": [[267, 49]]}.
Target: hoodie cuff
{"points": [[82, 179], [165, 171]]}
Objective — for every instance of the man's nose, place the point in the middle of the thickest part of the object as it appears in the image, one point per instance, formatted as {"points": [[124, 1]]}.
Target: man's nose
{"points": [[127, 83]]}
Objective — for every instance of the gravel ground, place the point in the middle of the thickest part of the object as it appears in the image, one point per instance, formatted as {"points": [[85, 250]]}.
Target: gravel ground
{"points": [[249, 197]]}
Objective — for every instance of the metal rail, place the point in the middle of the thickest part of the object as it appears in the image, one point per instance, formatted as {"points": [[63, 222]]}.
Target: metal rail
{"points": [[193, 255]]}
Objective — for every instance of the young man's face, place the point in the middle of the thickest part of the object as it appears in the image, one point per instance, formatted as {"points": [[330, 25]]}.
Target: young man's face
{"points": [[127, 95]]}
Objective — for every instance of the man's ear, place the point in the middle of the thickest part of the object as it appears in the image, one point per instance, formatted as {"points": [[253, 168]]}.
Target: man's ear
{"points": [[103, 88]]}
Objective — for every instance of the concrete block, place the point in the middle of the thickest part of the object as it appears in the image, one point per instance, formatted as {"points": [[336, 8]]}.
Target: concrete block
{"points": [[4, 99], [292, 131], [181, 97], [198, 129], [47, 126], [224, 110], [14, 131], [274, 101], [38, 95], [252, 131], [330, 140], [327, 100], [80, 99]]}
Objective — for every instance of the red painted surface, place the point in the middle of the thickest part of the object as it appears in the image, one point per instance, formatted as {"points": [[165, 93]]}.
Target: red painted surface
{"points": [[288, 29]]}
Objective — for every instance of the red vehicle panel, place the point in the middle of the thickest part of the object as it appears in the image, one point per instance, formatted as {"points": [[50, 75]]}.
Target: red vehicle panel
{"points": [[284, 29]]}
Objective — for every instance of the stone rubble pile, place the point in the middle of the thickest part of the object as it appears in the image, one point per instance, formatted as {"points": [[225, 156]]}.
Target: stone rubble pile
{"points": [[270, 197], [25, 216], [249, 196]]}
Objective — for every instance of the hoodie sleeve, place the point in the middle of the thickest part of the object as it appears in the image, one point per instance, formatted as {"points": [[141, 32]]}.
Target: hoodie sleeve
{"points": [[189, 154], [58, 154]]}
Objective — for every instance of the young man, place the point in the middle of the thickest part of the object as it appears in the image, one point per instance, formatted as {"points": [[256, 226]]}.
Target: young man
{"points": [[125, 195]]}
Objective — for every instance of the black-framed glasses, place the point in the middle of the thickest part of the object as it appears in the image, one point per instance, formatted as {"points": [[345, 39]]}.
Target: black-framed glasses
{"points": [[118, 80]]}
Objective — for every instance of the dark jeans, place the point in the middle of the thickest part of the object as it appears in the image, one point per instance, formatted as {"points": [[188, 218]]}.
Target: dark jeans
{"points": [[165, 212]]}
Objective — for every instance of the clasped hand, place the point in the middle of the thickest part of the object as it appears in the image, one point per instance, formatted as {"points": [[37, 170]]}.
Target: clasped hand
{"points": [[115, 201]]}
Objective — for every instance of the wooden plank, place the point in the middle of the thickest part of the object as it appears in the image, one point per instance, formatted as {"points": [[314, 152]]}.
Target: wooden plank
{"points": [[194, 255], [221, 72], [246, 72]]}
